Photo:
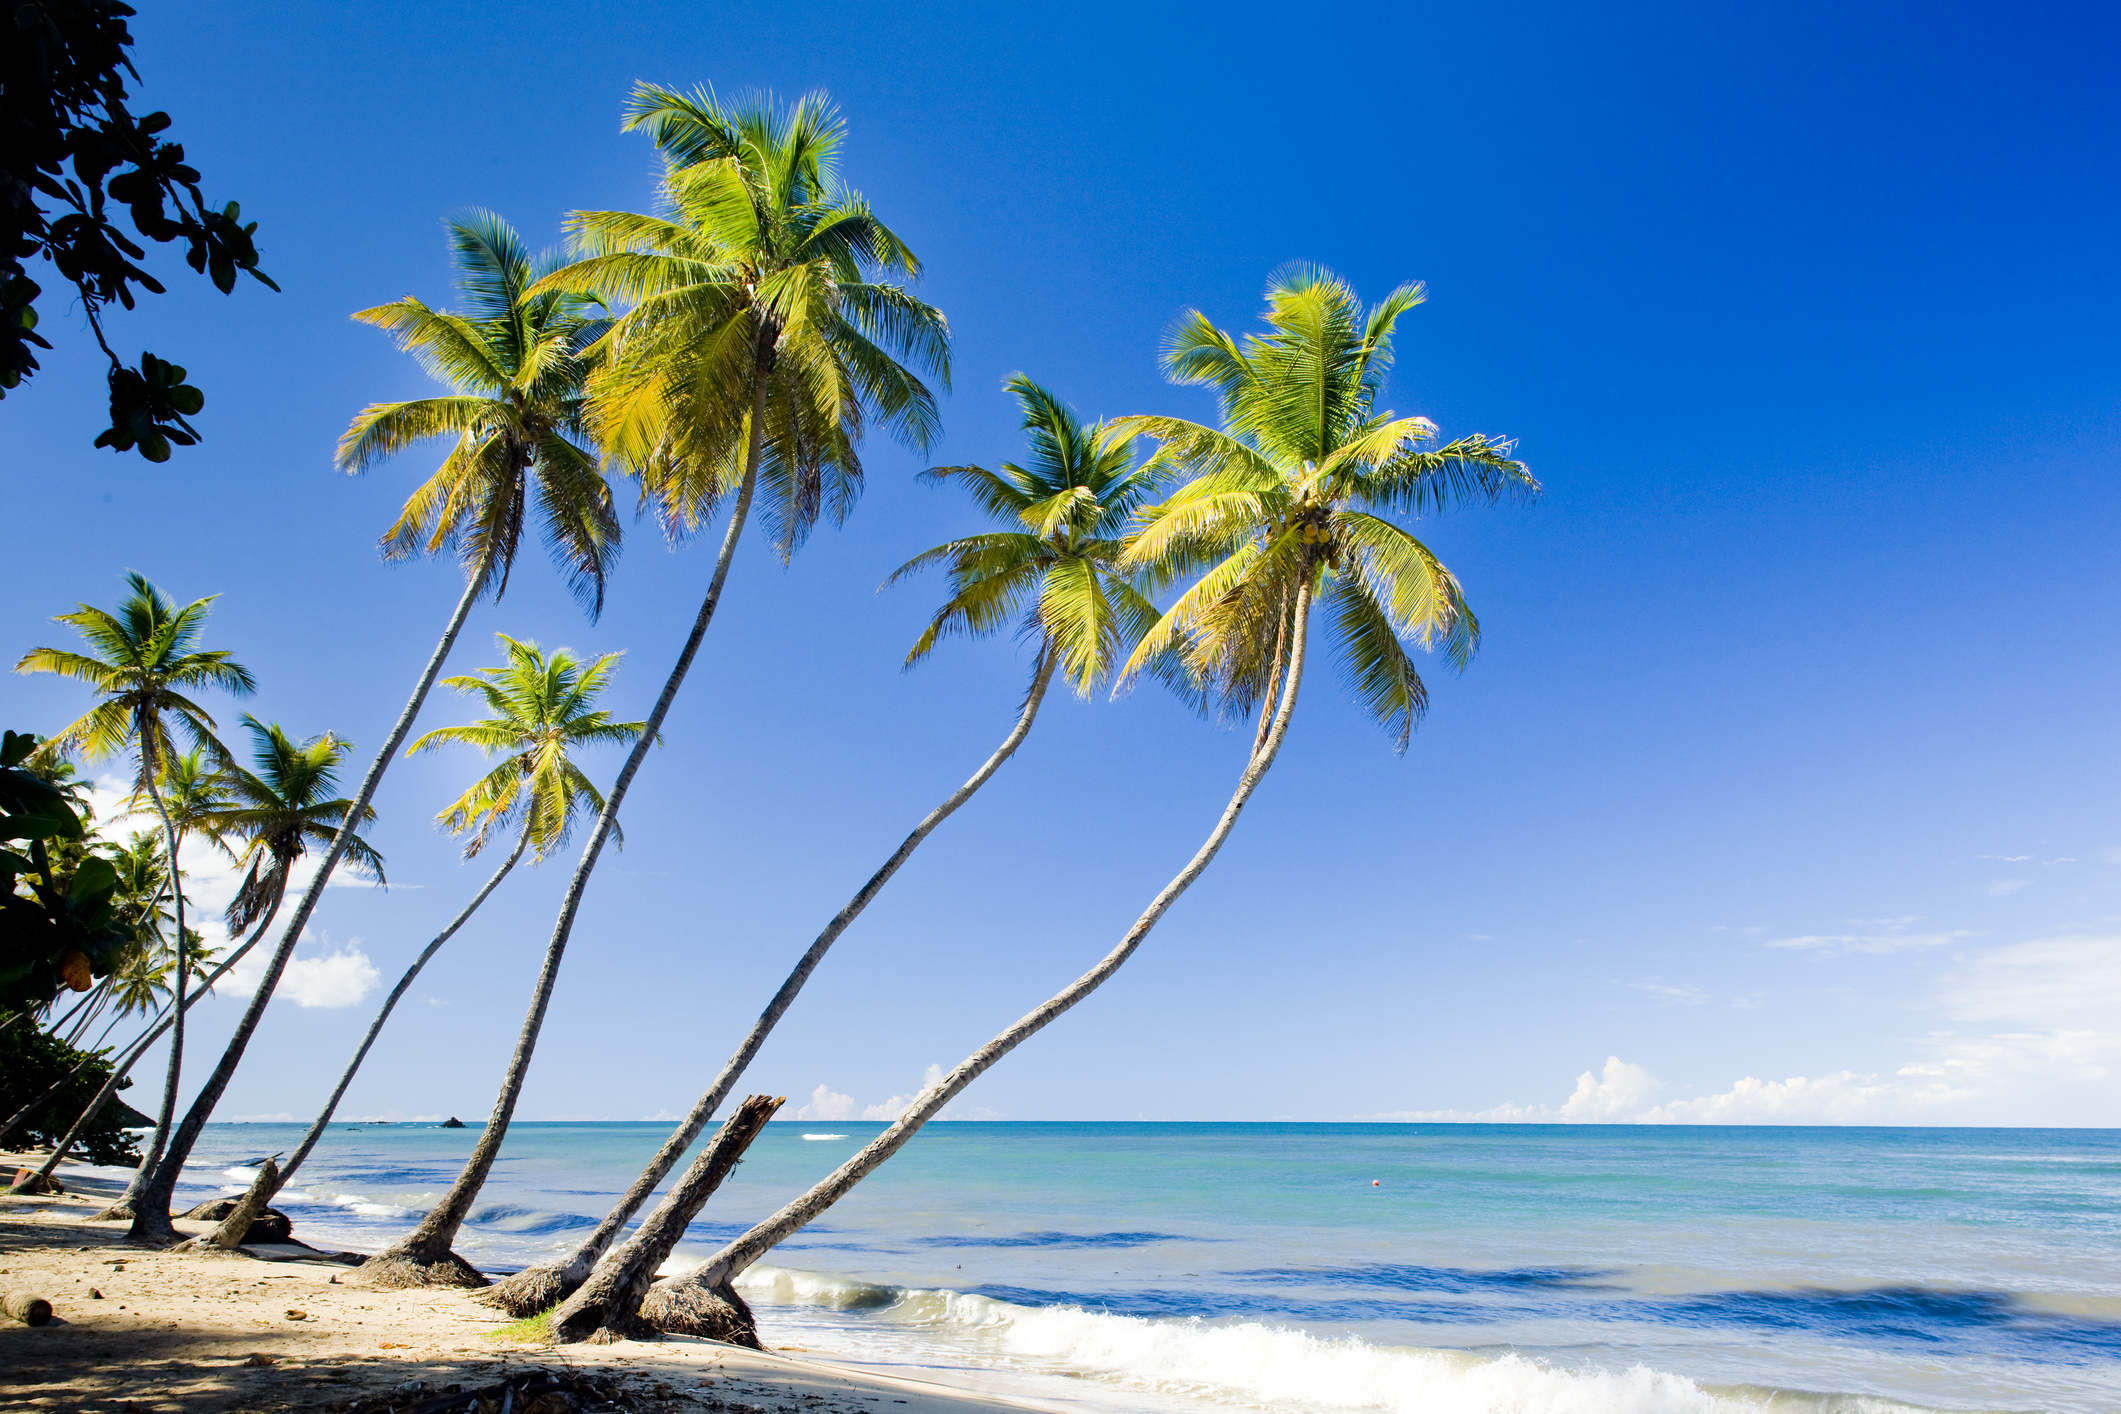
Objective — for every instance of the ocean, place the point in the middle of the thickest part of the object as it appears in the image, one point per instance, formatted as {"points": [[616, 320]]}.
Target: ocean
{"points": [[1445, 1269]]}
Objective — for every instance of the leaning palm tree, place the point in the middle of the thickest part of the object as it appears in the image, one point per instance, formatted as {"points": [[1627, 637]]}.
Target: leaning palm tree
{"points": [[282, 810], [1053, 567], [143, 660], [543, 710], [515, 361], [1272, 520], [755, 351]]}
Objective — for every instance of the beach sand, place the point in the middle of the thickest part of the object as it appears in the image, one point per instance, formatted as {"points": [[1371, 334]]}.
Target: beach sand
{"points": [[273, 1328]]}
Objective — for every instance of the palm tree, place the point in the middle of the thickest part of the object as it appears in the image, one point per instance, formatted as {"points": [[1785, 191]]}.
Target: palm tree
{"points": [[143, 661], [280, 811], [755, 351], [276, 813], [1272, 520], [1055, 566], [516, 363], [543, 708]]}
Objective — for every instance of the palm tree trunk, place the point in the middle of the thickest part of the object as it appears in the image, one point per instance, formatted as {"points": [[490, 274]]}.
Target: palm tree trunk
{"points": [[619, 1284], [101, 999], [537, 1287], [123, 1208], [1267, 702], [151, 1212], [53, 1029], [423, 1256], [168, 1109], [692, 1304], [375, 1028]]}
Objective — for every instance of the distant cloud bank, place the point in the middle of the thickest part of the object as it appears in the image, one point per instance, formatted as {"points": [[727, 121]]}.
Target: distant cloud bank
{"points": [[2061, 996]]}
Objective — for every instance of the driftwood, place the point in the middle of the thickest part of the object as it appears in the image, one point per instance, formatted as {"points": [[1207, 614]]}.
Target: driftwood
{"points": [[26, 1307], [271, 1225]]}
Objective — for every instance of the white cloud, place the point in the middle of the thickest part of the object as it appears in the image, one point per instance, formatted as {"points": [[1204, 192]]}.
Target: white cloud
{"points": [[1891, 935], [1674, 994], [2049, 982], [899, 1104], [2006, 886], [337, 979], [1841, 1098], [2054, 1004], [1597, 1099], [1622, 1088], [340, 978], [826, 1103], [2006, 858]]}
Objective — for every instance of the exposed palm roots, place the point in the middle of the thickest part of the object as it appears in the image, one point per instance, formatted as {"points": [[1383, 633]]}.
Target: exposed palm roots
{"points": [[396, 1270], [529, 1291], [685, 1308]]}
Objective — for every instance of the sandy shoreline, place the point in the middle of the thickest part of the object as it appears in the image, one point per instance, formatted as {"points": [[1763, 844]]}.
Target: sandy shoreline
{"points": [[136, 1330]]}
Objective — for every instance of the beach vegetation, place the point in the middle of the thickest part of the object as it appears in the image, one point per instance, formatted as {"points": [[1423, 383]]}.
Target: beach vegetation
{"points": [[48, 1082]]}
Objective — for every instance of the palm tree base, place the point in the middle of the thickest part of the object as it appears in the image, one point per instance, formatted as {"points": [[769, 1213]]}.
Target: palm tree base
{"points": [[531, 1290], [680, 1307], [396, 1271], [115, 1213]]}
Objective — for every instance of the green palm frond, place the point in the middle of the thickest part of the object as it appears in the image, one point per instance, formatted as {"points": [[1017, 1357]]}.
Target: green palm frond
{"points": [[543, 707], [282, 807], [140, 658], [1284, 504], [1052, 570], [517, 363], [760, 267]]}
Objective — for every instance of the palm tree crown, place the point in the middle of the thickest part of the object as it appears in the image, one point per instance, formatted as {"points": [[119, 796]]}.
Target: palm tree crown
{"points": [[1282, 505], [1065, 510], [283, 808], [542, 707], [142, 662], [762, 281], [516, 362]]}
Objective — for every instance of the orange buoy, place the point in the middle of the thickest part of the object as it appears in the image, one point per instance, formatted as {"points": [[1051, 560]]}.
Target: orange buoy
{"points": [[1374, 1183]]}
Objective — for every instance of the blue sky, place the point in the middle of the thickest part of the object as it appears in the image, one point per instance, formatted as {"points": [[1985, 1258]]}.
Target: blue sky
{"points": [[1783, 787]]}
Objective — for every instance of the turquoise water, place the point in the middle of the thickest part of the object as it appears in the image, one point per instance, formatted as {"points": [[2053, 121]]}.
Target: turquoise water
{"points": [[1483, 1268]]}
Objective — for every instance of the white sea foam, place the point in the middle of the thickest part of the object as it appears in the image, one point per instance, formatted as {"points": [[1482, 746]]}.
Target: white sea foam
{"points": [[824, 1136], [1250, 1363]]}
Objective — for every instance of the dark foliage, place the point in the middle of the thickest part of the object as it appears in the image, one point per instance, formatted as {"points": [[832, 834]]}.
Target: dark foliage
{"points": [[71, 155], [31, 1062], [59, 927]]}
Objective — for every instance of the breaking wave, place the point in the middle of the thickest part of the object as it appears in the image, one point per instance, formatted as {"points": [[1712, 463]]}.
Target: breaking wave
{"points": [[1254, 1362]]}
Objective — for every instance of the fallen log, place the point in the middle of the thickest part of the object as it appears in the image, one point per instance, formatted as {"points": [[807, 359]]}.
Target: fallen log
{"points": [[26, 1307]]}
